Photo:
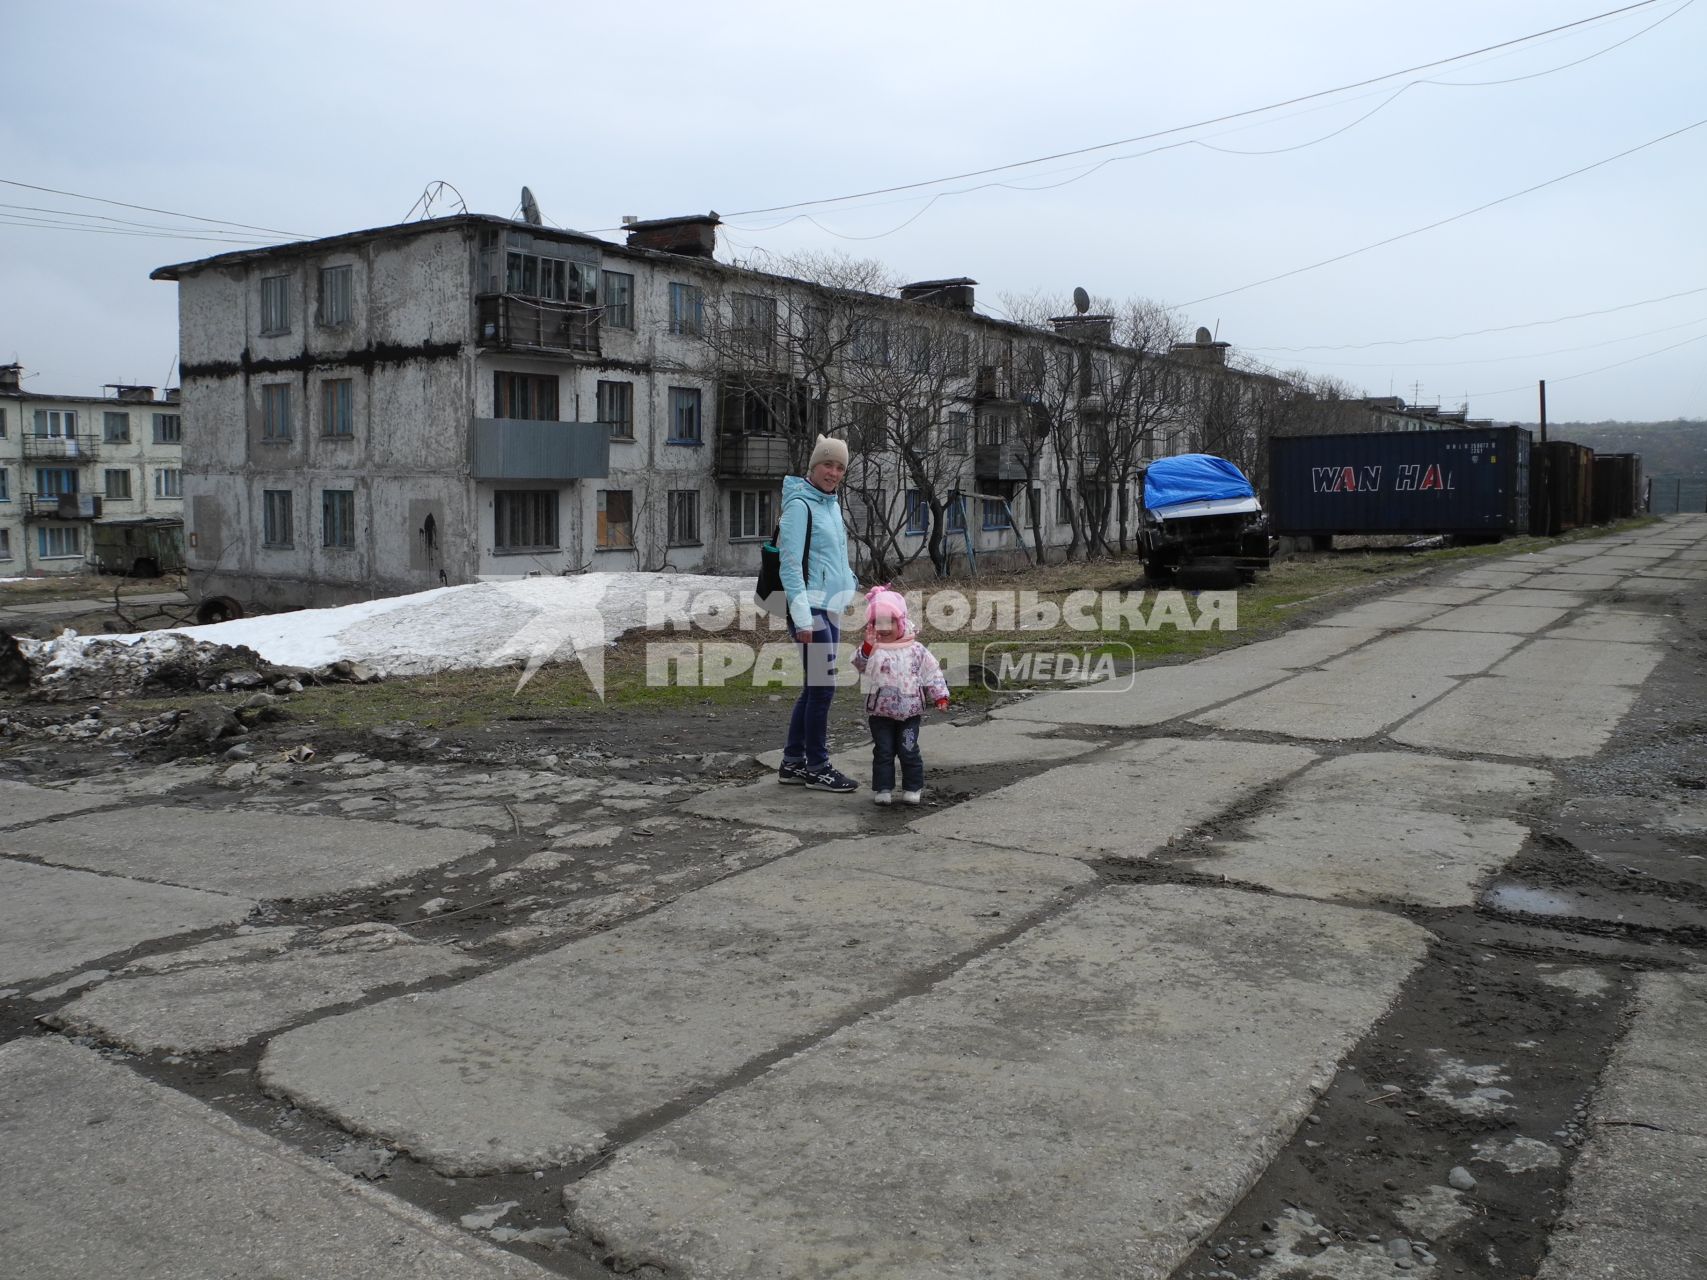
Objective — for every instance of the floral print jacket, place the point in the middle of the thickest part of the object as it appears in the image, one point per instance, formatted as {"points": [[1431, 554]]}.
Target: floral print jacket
{"points": [[899, 678]]}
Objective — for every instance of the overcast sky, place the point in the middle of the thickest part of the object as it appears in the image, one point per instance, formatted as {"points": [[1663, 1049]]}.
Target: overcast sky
{"points": [[319, 118]]}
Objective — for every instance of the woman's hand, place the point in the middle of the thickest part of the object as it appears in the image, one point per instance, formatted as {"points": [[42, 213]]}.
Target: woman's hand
{"points": [[804, 635]]}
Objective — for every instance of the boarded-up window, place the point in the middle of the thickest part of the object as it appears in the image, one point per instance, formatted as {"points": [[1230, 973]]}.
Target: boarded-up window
{"points": [[616, 519]]}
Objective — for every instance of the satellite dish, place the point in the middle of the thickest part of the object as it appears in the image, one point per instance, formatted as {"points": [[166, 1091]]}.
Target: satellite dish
{"points": [[1081, 300], [530, 209], [1204, 337]]}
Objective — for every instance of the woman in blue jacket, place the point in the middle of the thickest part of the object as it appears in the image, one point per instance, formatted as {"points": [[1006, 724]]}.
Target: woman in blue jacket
{"points": [[819, 584]]}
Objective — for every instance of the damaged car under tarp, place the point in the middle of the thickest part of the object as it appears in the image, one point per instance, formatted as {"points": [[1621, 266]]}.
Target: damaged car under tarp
{"points": [[1201, 516]]}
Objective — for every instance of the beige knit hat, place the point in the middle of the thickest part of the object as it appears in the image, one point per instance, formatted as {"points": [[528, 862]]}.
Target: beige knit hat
{"points": [[828, 450]]}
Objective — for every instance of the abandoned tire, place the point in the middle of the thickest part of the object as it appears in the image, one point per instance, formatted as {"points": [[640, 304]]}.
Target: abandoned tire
{"points": [[218, 609], [1156, 571]]}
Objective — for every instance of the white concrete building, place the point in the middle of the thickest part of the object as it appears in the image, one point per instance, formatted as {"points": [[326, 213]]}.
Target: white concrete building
{"points": [[430, 403], [71, 463]]}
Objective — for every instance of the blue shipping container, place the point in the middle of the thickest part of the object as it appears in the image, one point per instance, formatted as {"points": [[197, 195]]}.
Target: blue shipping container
{"points": [[1465, 481]]}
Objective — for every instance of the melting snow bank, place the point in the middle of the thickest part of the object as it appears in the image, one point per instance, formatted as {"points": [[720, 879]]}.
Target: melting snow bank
{"points": [[483, 624]]}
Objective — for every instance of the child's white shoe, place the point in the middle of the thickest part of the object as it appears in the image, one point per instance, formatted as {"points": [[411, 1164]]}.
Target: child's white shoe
{"points": [[910, 797], [884, 797]]}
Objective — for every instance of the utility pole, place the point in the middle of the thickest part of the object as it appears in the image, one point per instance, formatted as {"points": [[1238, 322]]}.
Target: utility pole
{"points": [[1543, 411]]}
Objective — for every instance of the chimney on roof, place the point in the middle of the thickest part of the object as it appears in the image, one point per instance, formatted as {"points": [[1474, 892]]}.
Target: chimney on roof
{"points": [[950, 295], [131, 394], [171, 394], [1203, 349], [692, 236], [1084, 328], [11, 377]]}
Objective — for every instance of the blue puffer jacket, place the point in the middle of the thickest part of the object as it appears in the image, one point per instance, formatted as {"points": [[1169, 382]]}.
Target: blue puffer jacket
{"points": [[830, 583]]}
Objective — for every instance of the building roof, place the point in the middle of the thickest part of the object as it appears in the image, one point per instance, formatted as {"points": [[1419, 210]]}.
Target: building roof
{"points": [[398, 231]]}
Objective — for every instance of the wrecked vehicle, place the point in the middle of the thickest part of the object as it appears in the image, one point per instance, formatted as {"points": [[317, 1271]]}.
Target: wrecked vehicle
{"points": [[1202, 518]]}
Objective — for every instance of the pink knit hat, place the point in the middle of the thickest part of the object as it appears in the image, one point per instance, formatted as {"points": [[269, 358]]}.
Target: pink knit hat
{"points": [[886, 602]]}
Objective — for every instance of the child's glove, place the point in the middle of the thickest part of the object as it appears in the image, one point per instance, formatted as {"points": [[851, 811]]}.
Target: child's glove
{"points": [[942, 704], [866, 648]]}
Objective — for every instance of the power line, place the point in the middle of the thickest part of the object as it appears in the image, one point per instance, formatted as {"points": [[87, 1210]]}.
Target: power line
{"points": [[44, 224], [1414, 231], [1201, 124], [1534, 355], [120, 204], [1477, 333], [101, 217], [1571, 377]]}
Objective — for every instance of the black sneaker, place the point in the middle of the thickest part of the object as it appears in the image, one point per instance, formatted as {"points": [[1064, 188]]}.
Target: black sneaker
{"points": [[792, 773], [829, 779]]}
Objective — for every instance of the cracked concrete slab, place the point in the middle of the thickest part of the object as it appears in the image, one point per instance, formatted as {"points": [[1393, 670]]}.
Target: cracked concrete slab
{"points": [[1582, 661], [1572, 581], [1158, 694], [1056, 1107], [21, 803], [1490, 578], [948, 746], [766, 803], [110, 1175], [1525, 719], [1384, 615], [1618, 625], [1434, 833], [1435, 653], [52, 920], [1513, 620], [1332, 706], [538, 1063], [253, 854], [1127, 803], [227, 1004]]}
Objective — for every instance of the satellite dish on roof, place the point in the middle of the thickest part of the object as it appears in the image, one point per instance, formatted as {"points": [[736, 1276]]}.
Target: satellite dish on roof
{"points": [[1204, 337], [1081, 300], [530, 209]]}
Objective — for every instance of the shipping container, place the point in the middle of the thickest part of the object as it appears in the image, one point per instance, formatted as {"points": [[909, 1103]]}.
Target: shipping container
{"points": [[1469, 481], [1561, 487], [1617, 486]]}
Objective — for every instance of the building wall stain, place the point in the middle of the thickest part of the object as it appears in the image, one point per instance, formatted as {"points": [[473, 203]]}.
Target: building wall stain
{"points": [[368, 358]]}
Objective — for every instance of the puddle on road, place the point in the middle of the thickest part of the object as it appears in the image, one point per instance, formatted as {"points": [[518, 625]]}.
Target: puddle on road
{"points": [[1536, 902]]}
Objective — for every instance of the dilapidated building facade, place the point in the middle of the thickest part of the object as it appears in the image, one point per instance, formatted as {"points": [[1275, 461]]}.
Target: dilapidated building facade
{"points": [[69, 463], [439, 401]]}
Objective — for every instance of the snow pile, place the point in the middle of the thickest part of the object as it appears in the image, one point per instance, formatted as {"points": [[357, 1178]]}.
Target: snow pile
{"points": [[485, 624]]}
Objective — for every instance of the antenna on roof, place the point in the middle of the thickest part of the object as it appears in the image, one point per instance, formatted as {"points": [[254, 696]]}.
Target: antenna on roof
{"points": [[435, 192], [530, 209], [1081, 299]]}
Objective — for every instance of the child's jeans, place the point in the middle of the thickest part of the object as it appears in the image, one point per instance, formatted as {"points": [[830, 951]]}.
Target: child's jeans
{"points": [[891, 738]]}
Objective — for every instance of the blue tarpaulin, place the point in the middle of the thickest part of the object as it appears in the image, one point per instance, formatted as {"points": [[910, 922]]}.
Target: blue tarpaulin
{"points": [[1193, 477]]}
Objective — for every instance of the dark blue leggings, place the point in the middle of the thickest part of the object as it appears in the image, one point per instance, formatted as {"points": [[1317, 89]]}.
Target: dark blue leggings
{"points": [[891, 738], [809, 726]]}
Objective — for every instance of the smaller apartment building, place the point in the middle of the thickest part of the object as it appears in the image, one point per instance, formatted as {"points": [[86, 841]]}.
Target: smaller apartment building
{"points": [[69, 463], [435, 402]]}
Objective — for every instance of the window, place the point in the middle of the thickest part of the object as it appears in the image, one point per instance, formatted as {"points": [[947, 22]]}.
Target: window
{"points": [[524, 520], [687, 309], [1063, 504], [1034, 507], [276, 518], [168, 428], [335, 299], [56, 423], [956, 512], [531, 396], [168, 482], [616, 407], [752, 321], [275, 304], [684, 518], [994, 428], [995, 513], [5, 544], [815, 331], [56, 481], [684, 415], [916, 344], [5, 485], [59, 542], [616, 519], [2, 424], [918, 513], [954, 430], [118, 484], [869, 340], [536, 275], [115, 427], [619, 300], [337, 407], [959, 353], [337, 517], [865, 427], [275, 411], [752, 513]]}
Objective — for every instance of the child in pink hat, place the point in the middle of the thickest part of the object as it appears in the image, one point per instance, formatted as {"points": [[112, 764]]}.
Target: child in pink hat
{"points": [[899, 675]]}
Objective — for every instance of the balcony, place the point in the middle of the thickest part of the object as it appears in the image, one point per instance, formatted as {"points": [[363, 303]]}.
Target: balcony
{"points": [[73, 449], [515, 449], [998, 462], [507, 322], [61, 506], [755, 456]]}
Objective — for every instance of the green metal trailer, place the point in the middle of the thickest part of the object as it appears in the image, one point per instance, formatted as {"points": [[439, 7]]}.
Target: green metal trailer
{"points": [[143, 548]]}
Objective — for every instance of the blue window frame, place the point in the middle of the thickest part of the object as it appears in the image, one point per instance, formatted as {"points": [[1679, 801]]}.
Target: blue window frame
{"points": [[956, 513], [995, 514], [918, 513]]}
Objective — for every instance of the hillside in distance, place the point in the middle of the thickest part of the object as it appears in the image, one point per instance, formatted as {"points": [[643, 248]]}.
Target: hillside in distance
{"points": [[1675, 448]]}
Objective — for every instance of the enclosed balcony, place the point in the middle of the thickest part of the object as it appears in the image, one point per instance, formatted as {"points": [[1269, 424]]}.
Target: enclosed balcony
{"points": [[998, 462], [507, 322], [758, 457], [61, 506], [520, 449]]}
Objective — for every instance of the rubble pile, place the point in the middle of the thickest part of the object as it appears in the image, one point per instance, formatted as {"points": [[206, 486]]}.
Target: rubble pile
{"points": [[72, 667]]}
